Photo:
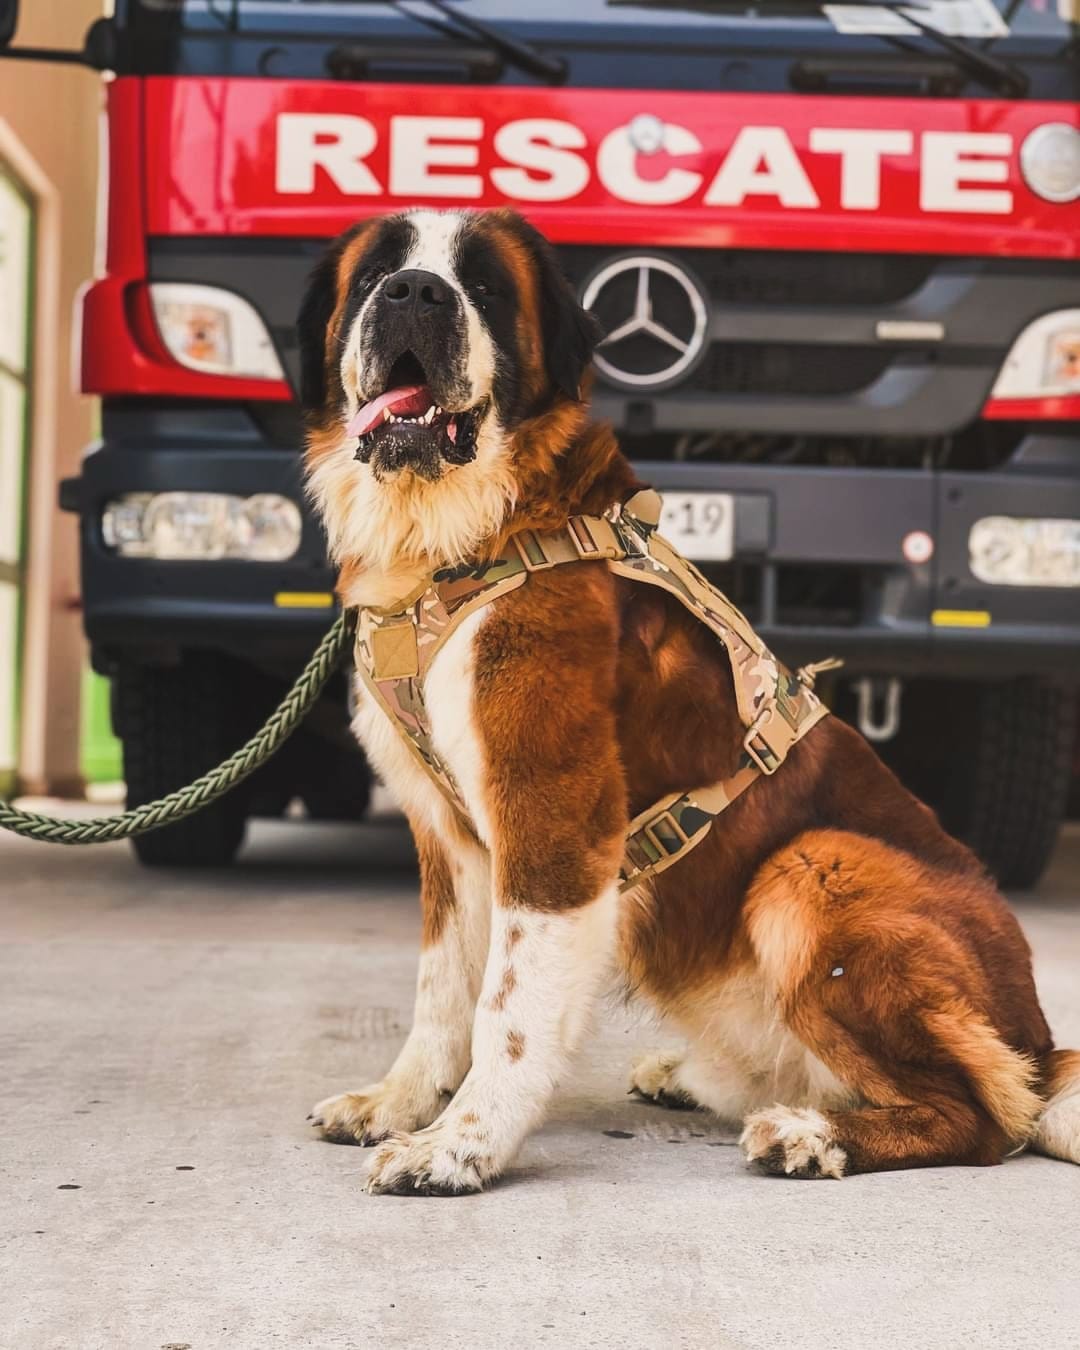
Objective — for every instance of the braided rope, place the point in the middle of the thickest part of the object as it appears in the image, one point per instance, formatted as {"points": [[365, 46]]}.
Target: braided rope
{"points": [[185, 801]]}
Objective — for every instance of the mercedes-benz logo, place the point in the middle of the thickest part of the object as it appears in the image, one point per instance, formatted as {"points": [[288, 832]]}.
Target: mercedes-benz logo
{"points": [[655, 318]]}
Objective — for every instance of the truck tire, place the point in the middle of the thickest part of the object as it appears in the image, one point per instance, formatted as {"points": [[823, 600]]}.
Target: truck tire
{"points": [[175, 723], [337, 786], [329, 775], [1008, 797]]}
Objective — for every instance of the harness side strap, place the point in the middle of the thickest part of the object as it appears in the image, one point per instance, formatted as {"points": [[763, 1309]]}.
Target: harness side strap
{"points": [[665, 832], [776, 708]]}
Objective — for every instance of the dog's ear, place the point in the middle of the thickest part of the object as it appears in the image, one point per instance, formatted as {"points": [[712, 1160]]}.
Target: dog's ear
{"points": [[316, 314], [570, 333]]}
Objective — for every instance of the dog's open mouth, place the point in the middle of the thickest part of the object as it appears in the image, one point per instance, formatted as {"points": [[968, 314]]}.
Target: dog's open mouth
{"points": [[409, 428]]}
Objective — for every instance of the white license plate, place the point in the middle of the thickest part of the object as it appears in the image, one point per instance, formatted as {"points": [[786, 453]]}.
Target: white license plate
{"points": [[701, 525]]}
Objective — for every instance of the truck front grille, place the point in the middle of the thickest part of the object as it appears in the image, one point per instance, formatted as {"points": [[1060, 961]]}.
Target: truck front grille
{"points": [[888, 345]]}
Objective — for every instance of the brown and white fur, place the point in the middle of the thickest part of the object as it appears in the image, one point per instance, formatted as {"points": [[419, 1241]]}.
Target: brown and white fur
{"points": [[849, 982]]}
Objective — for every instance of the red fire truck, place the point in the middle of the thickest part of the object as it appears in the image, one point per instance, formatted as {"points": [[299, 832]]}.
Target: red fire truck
{"points": [[836, 252]]}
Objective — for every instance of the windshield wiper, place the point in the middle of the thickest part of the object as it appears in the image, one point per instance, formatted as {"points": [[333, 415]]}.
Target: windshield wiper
{"points": [[464, 27], [995, 74]]}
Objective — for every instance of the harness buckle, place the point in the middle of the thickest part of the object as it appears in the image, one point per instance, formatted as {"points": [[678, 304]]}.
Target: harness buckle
{"points": [[653, 844], [757, 746], [587, 536], [665, 834], [532, 551]]}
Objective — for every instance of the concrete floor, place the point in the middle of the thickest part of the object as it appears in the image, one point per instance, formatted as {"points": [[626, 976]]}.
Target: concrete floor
{"points": [[163, 1036]]}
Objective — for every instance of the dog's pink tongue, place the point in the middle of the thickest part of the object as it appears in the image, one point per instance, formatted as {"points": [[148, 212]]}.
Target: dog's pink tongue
{"points": [[397, 400]]}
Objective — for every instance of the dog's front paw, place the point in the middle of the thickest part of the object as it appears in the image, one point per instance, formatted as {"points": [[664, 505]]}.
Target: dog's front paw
{"points": [[793, 1143], [654, 1080], [371, 1114], [441, 1160]]}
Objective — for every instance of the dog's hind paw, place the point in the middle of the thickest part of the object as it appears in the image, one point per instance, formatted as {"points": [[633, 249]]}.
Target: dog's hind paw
{"points": [[793, 1143], [653, 1078]]}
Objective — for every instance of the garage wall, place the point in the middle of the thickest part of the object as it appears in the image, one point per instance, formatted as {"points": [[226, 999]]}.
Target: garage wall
{"points": [[49, 149], [16, 303]]}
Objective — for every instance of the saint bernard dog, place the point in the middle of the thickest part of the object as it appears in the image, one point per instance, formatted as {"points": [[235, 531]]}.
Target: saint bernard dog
{"points": [[844, 978]]}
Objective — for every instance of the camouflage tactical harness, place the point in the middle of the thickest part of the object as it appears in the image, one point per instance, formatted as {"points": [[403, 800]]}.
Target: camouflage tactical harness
{"points": [[395, 648]]}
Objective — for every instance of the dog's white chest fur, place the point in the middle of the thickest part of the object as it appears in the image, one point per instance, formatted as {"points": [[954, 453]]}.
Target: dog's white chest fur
{"points": [[448, 693]]}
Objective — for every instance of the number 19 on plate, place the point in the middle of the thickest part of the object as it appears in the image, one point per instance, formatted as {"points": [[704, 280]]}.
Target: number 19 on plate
{"points": [[701, 525]]}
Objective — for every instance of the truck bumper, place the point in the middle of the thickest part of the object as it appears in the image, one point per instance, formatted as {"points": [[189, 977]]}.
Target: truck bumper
{"points": [[821, 570], [819, 563]]}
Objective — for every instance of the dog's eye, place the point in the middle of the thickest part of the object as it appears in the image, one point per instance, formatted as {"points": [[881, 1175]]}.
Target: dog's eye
{"points": [[368, 277], [480, 288]]}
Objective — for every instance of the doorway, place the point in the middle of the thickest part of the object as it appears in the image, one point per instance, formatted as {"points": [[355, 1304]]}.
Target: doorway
{"points": [[16, 314]]}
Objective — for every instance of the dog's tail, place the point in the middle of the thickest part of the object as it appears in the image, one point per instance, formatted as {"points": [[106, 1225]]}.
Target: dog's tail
{"points": [[1057, 1131]]}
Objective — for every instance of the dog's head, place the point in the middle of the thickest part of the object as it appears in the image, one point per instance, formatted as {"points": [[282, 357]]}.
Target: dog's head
{"points": [[426, 340]]}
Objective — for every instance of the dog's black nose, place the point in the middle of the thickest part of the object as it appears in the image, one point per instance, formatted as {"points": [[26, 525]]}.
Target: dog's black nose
{"points": [[424, 290]]}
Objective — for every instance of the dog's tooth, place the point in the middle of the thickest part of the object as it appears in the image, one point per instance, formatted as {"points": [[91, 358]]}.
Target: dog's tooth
{"points": [[387, 416]]}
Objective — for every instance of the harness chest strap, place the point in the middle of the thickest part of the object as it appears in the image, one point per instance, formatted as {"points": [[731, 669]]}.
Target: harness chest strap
{"points": [[395, 648]]}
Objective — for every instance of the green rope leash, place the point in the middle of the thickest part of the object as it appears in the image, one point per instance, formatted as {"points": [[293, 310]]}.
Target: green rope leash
{"points": [[185, 801]]}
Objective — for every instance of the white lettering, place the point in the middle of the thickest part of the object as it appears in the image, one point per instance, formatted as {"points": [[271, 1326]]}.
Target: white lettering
{"points": [[546, 146], [616, 164], [860, 150], [546, 159], [335, 142], [761, 163], [420, 144], [947, 166]]}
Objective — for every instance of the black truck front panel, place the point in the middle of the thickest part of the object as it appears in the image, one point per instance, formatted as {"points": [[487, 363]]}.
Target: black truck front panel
{"points": [[819, 566]]}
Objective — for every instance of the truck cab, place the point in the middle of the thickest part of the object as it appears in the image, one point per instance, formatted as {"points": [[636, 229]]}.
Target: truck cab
{"points": [[834, 250]]}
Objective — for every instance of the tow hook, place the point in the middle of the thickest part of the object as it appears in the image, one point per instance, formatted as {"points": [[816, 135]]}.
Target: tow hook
{"points": [[879, 707]]}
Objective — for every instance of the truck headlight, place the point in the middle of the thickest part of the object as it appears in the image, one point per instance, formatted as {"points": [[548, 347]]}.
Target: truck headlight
{"points": [[202, 526], [1050, 161], [1044, 360], [213, 330], [1021, 551]]}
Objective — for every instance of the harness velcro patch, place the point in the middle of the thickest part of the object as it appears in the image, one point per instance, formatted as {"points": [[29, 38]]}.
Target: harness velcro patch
{"points": [[394, 652]]}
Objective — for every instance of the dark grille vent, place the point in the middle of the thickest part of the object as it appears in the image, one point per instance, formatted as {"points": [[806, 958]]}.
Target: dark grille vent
{"points": [[768, 278], [771, 277], [804, 596], [789, 368]]}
